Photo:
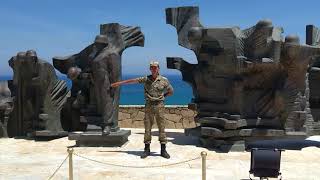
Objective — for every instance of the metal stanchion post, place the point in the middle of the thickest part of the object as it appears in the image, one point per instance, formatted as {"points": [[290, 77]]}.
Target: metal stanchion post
{"points": [[70, 151], [204, 165]]}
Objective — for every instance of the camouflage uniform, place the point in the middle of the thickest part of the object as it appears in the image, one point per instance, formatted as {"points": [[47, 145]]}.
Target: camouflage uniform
{"points": [[154, 97]]}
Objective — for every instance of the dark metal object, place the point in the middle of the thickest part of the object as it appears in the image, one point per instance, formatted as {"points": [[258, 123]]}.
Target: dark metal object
{"points": [[265, 163], [247, 83], [92, 99]]}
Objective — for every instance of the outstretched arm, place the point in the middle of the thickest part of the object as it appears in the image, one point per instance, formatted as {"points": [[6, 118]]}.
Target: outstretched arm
{"points": [[128, 81]]}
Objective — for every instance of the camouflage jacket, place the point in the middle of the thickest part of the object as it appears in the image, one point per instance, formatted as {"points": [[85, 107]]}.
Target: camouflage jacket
{"points": [[154, 90]]}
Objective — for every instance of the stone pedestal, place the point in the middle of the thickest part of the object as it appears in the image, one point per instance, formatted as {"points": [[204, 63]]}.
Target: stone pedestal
{"points": [[49, 135], [235, 140], [96, 139]]}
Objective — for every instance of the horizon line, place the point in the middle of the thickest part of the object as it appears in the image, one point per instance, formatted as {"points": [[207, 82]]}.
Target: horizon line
{"points": [[61, 75]]}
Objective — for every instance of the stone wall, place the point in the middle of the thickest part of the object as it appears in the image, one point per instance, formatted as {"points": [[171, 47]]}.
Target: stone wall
{"points": [[176, 116]]}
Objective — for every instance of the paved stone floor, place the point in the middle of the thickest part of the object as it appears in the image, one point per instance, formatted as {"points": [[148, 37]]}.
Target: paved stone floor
{"points": [[29, 159]]}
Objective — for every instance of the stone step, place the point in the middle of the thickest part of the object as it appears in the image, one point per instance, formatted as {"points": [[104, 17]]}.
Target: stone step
{"points": [[97, 139], [242, 123], [218, 133]]}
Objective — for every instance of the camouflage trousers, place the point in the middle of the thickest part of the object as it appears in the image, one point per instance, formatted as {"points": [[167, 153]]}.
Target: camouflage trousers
{"points": [[154, 110]]}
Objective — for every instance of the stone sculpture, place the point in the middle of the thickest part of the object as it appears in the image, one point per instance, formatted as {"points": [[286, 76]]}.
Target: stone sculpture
{"points": [[248, 83], [92, 70], [5, 107], [313, 39], [38, 96]]}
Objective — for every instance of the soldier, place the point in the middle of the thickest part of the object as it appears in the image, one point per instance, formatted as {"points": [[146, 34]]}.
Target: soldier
{"points": [[156, 88]]}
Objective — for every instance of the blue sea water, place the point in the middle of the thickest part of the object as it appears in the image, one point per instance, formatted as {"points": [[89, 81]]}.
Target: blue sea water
{"points": [[133, 93]]}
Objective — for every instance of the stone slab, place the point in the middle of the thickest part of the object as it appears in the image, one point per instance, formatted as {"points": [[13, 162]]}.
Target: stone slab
{"points": [[222, 145], [234, 140], [296, 135], [217, 133], [212, 132], [196, 131], [49, 135], [219, 122], [240, 123], [96, 139]]}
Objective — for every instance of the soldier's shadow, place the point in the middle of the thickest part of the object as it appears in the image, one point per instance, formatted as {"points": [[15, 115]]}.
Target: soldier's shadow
{"points": [[178, 138], [136, 153]]}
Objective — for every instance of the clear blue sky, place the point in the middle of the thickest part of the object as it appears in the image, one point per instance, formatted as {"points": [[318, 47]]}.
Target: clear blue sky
{"points": [[61, 27]]}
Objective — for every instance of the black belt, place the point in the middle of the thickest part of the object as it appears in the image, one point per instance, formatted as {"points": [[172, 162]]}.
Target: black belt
{"points": [[154, 102]]}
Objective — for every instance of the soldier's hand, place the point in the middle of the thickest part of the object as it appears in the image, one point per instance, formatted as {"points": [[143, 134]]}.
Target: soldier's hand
{"points": [[116, 84]]}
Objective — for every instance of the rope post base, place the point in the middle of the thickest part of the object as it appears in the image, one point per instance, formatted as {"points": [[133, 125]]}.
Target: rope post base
{"points": [[70, 152], [204, 165]]}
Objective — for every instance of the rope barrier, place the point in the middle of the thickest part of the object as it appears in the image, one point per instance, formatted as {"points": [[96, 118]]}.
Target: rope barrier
{"points": [[126, 166], [71, 152], [58, 168]]}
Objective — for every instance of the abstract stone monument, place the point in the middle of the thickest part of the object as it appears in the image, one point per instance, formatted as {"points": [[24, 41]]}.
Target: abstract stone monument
{"points": [[248, 84], [92, 71], [38, 97], [313, 39], [6, 103]]}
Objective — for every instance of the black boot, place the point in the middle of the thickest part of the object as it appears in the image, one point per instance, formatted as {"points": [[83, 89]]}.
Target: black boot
{"points": [[146, 152], [164, 153]]}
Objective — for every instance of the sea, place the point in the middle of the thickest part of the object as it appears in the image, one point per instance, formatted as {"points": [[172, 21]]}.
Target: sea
{"points": [[132, 94]]}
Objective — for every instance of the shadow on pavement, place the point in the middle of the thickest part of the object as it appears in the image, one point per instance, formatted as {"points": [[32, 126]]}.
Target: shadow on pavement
{"points": [[136, 153], [178, 138]]}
